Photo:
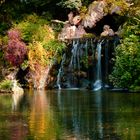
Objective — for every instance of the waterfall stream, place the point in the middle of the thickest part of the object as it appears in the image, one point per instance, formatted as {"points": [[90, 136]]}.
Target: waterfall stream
{"points": [[60, 72], [86, 64], [98, 82]]}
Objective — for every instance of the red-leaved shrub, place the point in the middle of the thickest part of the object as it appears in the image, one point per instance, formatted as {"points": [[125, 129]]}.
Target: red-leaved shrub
{"points": [[16, 49]]}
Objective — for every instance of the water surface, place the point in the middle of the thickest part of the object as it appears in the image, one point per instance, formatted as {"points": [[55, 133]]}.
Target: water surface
{"points": [[70, 115]]}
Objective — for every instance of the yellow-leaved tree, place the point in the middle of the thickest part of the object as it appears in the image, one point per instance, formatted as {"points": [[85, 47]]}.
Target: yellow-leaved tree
{"points": [[42, 48]]}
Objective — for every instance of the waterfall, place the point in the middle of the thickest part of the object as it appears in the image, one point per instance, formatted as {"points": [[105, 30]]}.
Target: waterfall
{"points": [[74, 64], [60, 72], [86, 64], [98, 82]]}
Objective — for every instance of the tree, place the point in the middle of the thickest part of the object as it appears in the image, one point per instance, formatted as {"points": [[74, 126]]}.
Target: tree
{"points": [[71, 4]]}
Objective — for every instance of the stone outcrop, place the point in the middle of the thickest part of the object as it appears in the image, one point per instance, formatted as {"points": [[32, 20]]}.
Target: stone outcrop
{"points": [[73, 28], [76, 25], [107, 31], [98, 9], [95, 13]]}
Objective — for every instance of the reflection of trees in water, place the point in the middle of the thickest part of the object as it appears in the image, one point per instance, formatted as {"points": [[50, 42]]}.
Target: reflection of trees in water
{"points": [[12, 124], [41, 123], [82, 115]]}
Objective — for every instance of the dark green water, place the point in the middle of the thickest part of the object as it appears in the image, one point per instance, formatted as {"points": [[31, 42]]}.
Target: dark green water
{"points": [[70, 115]]}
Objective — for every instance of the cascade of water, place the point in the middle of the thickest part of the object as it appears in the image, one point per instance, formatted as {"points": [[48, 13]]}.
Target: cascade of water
{"points": [[98, 82], [73, 61], [84, 64], [60, 72]]}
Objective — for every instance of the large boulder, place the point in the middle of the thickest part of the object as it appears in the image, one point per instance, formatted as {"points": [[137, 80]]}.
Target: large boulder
{"points": [[95, 13], [107, 31], [98, 9], [76, 25]]}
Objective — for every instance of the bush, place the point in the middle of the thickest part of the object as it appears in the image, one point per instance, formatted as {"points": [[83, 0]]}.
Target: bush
{"points": [[40, 39], [6, 85], [16, 49], [33, 28], [126, 73]]}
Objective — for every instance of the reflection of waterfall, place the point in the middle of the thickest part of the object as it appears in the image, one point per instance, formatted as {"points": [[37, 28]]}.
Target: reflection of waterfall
{"points": [[79, 117], [16, 100], [60, 72], [17, 94], [98, 100], [98, 82]]}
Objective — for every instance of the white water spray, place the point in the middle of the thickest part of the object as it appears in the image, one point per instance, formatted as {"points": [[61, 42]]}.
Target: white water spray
{"points": [[60, 72], [98, 83]]}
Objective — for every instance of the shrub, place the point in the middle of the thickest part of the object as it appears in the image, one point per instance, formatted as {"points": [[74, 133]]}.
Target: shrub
{"points": [[16, 49], [126, 73], [40, 38], [35, 28], [6, 84]]}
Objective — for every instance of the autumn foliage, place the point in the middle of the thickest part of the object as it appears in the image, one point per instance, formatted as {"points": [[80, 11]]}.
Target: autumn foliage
{"points": [[16, 49]]}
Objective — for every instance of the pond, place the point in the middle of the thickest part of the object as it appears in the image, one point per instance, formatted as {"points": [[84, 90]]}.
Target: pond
{"points": [[70, 115]]}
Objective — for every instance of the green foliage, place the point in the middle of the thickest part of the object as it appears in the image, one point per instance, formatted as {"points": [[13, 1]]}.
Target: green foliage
{"points": [[57, 28], [32, 28], [118, 6], [3, 27], [126, 73], [54, 45], [2, 61], [71, 4], [83, 11], [42, 45], [86, 2], [6, 84], [88, 35]]}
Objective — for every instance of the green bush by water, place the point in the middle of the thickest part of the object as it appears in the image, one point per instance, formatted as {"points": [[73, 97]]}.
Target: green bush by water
{"points": [[6, 85], [126, 72]]}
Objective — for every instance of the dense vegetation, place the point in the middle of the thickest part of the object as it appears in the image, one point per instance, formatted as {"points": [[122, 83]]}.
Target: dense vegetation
{"points": [[36, 46], [126, 73]]}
